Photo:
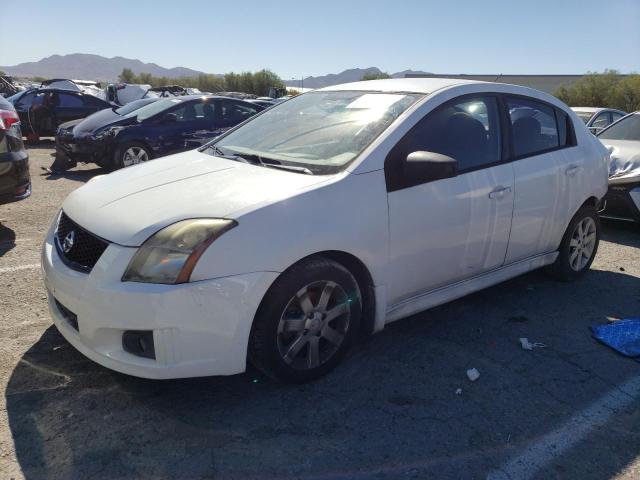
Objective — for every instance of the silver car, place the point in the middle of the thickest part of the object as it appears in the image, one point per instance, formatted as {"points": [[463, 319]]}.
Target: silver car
{"points": [[597, 119], [623, 141]]}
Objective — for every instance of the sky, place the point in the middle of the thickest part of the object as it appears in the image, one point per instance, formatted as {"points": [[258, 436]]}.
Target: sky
{"points": [[301, 38]]}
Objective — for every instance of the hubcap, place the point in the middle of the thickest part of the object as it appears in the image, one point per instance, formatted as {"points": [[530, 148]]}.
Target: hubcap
{"points": [[134, 156], [582, 243], [313, 325]]}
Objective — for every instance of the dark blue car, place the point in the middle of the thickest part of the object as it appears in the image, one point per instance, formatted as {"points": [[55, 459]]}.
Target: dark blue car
{"points": [[118, 138]]}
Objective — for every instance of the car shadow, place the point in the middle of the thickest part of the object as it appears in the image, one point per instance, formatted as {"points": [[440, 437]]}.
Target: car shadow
{"points": [[621, 232], [7, 239], [83, 175]]}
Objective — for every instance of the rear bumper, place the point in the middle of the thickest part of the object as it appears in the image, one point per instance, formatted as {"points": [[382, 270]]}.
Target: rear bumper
{"points": [[198, 329], [15, 180]]}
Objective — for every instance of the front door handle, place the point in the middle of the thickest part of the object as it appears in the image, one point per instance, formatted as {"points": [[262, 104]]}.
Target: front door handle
{"points": [[572, 170], [499, 192]]}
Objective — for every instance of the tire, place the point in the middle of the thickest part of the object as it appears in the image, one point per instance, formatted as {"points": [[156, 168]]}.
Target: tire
{"points": [[141, 153], [306, 321], [568, 266]]}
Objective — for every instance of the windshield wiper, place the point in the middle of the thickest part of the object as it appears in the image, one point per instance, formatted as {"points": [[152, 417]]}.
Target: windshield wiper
{"points": [[217, 151], [272, 163], [289, 167]]}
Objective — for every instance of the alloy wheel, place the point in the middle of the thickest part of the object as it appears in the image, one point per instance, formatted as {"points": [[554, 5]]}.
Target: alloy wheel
{"points": [[582, 243], [314, 325], [134, 156]]}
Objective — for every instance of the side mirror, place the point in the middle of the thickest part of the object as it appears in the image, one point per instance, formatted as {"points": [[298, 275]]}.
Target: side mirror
{"points": [[169, 118], [428, 166]]}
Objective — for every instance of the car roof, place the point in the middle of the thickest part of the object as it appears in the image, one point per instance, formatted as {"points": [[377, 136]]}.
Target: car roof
{"points": [[415, 85], [587, 109], [186, 98]]}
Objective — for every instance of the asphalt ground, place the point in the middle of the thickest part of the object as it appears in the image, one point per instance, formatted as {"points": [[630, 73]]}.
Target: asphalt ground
{"points": [[392, 410]]}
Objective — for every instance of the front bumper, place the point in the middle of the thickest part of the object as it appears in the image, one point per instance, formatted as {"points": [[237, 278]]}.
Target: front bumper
{"points": [[199, 329], [82, 149]]}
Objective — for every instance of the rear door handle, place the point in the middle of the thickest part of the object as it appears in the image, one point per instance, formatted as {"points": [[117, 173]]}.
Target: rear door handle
{"points": [[572, 170], [499, 192]]}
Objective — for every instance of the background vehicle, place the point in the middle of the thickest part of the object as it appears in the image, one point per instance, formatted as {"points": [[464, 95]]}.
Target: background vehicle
{"points": [[15, 182], [67, 133], [8, 87], [42, 110], [345, 208], [123, 93], [597, 119], [623, 140], [151, 128]]}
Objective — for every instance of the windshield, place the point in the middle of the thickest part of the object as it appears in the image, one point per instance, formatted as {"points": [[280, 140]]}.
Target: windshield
{"points": [[152, 109], [584, 116], [320, 131], [626, 129], [135, 105]]}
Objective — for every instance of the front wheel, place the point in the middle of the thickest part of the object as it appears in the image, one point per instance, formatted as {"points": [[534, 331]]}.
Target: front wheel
{"points": [[131, 153], [306, 321], [579, 245]]}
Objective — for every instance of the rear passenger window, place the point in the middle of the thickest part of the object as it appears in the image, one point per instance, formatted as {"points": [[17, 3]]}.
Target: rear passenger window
{"points": [[533, 126], [69, 101], [468, 131]]}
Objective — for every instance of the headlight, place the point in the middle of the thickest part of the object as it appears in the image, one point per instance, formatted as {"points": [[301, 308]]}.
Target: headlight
{"points": [[170, 255]]}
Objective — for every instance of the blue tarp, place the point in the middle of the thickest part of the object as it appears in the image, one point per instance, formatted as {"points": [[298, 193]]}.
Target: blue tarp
{"points": [[622, 335]]}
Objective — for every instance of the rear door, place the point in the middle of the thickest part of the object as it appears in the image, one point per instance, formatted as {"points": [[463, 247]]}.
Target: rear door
{"points": [[447, 230], [545, 176]]}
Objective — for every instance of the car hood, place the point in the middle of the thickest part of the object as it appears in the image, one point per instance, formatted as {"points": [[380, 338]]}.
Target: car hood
{"points": [[129, 205], [98, 120], [625, 160]]}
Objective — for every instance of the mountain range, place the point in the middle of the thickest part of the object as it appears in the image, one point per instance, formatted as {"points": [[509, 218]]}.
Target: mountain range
{"points": [[84, 66], [350, 75]]}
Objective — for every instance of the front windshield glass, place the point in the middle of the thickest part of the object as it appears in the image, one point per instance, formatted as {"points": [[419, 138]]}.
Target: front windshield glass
{"points": [[320, 131], [152, 109], [584, 116], [135, 105], [626, 129]]}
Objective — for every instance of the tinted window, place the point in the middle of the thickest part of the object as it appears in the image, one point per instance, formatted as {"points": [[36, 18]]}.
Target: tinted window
{"points": [[601, 120], [533, 126], [135, 105], [616, 116], [153, 109], [91, 101], [69, 101], [626, 129], [565, 129], [233, 113], [468, 131]]}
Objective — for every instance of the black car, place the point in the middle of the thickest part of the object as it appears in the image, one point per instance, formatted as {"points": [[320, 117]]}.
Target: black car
{"points": [[42, 110], [15, 182], [118, 138]]}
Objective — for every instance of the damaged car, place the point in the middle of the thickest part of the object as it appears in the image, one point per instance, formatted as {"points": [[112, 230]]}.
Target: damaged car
{"points": [[42, 110], [326, 216], [622, 138], [150, 128]]}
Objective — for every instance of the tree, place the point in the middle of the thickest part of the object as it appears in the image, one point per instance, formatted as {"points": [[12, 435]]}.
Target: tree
{"points": [[608, 89], [375, 76], [127, 76]]}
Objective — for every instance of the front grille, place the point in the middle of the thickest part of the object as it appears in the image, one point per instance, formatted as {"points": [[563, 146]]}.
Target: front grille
{"points": [[78, 248], [69, 316]]}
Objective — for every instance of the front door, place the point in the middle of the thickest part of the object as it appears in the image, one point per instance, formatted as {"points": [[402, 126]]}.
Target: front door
{"points": [[448, 230]]}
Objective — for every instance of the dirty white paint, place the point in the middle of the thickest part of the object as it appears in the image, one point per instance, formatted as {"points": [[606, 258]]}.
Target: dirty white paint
{"points": [[536, 458], [29, 266]]}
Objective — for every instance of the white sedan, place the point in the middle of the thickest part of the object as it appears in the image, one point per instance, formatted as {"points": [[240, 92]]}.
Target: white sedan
{"points": [[333, 213]]}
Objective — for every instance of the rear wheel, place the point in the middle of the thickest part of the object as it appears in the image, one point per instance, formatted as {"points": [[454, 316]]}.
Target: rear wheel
{"points": [[131, 153], [306, 322], [579, 245]]}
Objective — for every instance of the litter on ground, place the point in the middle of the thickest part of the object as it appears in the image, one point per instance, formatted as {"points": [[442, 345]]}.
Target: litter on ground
{"points": [[527, 345], [473, 374], [622, 335]]}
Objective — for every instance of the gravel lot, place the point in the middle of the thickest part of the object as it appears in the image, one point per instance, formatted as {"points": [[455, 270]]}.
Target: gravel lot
{"points": [[570, 410]]}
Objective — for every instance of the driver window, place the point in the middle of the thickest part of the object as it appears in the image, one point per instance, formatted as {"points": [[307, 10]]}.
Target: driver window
{"points": [[467, 130]]}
